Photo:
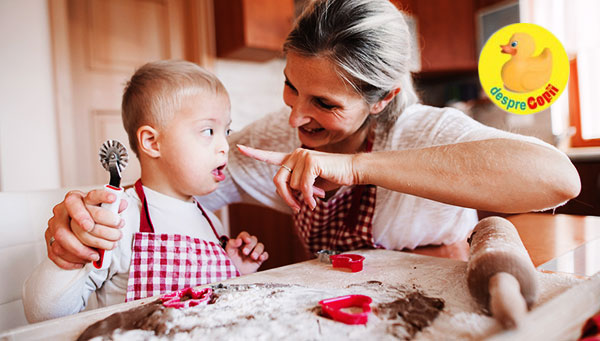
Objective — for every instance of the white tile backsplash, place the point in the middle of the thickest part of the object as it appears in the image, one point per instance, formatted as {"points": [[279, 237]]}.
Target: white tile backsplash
{"points": [[255, 88]]}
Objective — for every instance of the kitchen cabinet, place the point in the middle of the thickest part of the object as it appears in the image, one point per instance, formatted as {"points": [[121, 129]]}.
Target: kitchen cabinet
{"points": [[446, 33], [588, 201], [274, 229], [252, 29]]}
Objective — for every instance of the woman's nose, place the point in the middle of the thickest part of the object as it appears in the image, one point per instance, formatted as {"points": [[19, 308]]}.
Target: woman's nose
{"points": [[298, 117]]}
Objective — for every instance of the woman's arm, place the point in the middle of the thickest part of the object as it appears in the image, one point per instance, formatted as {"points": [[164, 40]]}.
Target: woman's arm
{"points": [[501, 175]]}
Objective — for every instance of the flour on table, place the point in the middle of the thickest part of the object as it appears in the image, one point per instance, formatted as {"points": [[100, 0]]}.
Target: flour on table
{"points": [[277, 311], [266, 311]]}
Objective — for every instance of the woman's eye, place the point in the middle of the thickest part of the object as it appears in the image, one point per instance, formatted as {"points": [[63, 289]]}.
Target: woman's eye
{"points": [[207, 132], [227, 132], [324, 105], [289, 85]]}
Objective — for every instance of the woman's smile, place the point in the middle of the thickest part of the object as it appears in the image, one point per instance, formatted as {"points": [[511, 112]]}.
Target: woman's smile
{"points": [[311, 131]]}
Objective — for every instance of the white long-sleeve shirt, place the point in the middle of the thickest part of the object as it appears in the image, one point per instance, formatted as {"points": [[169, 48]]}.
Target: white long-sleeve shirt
{"points": [[400, 220], [51, 292]]}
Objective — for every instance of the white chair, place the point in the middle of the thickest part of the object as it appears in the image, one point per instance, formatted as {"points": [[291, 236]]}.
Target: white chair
{"points": [[23, 220]]}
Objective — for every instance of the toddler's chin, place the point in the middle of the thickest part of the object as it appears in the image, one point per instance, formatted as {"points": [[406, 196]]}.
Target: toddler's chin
{"points": [[206, 190]]}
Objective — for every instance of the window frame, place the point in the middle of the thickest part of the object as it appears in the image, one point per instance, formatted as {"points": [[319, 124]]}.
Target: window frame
{"points": [[577, 139]]}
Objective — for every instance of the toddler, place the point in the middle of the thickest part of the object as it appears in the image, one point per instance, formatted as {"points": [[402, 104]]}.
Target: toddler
{"points": [[177, 117]]}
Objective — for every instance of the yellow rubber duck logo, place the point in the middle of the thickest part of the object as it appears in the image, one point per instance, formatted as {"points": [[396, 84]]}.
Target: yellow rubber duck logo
{"points": [[524, 72], [530, 71]]}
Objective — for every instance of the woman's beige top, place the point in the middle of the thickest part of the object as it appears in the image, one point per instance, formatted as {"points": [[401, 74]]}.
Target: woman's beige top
{"points": [[400, 220]]}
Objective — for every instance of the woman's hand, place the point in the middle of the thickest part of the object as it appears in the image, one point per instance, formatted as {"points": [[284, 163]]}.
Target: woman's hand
{"points": [[303, 169], [79, 224]]}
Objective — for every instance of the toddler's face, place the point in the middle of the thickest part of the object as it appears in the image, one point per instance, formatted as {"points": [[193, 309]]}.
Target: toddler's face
{"points": [[193, 145]]}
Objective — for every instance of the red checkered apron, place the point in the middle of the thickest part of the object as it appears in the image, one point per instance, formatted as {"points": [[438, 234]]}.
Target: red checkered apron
{"points": [[342, 223], [168, 262]]}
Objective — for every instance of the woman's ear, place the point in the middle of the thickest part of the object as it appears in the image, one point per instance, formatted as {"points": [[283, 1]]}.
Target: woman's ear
{"points": [[148, 141], [379, 106]]}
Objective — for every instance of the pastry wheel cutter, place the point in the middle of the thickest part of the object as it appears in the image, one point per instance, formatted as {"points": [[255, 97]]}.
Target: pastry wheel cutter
{"points": [[113, 157]]}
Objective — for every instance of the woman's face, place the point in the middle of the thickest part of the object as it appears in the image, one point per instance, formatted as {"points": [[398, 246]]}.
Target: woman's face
{"points": [[327, 111]]}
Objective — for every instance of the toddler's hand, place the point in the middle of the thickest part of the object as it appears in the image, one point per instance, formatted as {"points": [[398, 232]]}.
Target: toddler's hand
{"points": [[246, 253]]}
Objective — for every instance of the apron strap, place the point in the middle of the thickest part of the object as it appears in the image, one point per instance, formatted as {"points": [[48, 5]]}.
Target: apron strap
{"points": [[352, 217], [357, 193], [208, 219], [370, 141], [145, 221]]}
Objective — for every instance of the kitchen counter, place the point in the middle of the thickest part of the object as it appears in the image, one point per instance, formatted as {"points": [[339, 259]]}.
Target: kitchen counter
{"points": [[584, 154], [547, 238], [437, 277]]}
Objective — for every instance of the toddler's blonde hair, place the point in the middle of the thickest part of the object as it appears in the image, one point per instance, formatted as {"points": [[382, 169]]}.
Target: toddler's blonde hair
{"points": [[156, 92]]}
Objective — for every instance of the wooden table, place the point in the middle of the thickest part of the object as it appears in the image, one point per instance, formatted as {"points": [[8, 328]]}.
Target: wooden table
{"points": [[559, 316], [548, 236], [545, 236]]}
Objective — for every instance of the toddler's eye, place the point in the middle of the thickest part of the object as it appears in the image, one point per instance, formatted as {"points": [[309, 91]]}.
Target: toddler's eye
{"points": [[514, 44], [207, 132], [227, 132]]}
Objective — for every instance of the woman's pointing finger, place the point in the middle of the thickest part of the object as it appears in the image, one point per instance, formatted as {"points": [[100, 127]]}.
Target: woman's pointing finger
{"points": [[275, 158]]}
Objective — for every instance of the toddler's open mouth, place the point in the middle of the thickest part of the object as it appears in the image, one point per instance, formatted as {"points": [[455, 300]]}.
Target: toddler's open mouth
{"points": [[218, 172]]}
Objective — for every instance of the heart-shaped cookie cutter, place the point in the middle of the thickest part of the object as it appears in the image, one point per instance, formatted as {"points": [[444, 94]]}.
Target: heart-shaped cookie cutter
{"points": [[332, 307], [186, 298], [348, 260]]}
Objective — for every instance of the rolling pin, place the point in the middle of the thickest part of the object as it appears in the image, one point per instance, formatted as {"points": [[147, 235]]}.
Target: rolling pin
{"points": [[500, 274]]}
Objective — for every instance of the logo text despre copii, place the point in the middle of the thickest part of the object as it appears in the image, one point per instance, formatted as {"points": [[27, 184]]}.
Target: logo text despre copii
{"points": [[533, 102]]}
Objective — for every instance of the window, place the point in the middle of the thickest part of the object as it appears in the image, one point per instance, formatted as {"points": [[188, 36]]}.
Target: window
{"points": [[576, 25], [582, 113]]}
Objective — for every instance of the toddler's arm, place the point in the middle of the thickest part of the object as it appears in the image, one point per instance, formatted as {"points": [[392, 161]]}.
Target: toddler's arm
{"points": [[52, 292], [246, 253]]}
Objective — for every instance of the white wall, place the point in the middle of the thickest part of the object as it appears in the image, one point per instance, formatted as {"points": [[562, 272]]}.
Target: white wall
{"points": [[28, 134], [29, 154], [255, 89]]}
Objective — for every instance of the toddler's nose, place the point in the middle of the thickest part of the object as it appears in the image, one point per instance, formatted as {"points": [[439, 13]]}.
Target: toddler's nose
{"points": [[222, 145]]}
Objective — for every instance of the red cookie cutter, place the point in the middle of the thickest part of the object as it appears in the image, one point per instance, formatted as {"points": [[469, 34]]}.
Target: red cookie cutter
{"points": [[332, 307], [186, 298], [348, 260], [591, 329]]}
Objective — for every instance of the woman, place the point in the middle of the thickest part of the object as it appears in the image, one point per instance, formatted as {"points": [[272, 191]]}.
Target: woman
{"points": [[396, 174]]}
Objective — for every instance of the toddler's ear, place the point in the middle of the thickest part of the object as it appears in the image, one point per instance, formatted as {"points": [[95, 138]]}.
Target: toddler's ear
{"points": [[147, 138]]}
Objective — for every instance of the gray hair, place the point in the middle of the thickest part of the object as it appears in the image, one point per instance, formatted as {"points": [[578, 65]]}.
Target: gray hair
{"points": [[368, 41], [156, 92]]}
